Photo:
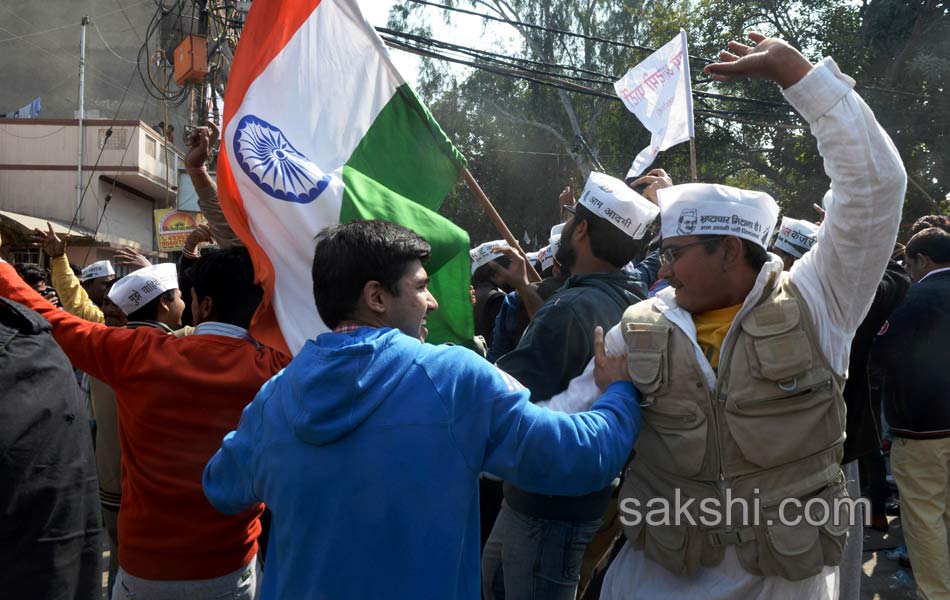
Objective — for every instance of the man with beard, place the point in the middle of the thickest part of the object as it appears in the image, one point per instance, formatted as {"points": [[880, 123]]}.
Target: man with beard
{"points": [[536, 546]]}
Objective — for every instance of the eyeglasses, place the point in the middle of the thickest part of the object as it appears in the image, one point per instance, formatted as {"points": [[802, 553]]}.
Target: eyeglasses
{"points": [[671, 254], [569, 209]]}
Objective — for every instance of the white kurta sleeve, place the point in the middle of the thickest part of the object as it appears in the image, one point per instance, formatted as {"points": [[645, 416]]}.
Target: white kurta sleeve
{"points": [[839, 276], [582, 391]]}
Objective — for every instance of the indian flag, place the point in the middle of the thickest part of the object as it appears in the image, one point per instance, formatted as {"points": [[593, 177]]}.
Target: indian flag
{"points": [[320, 128]]}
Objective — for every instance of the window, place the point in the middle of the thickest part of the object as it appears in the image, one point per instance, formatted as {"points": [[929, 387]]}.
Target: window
{"points": [[25, 255], [117, 141], [151, 146]]}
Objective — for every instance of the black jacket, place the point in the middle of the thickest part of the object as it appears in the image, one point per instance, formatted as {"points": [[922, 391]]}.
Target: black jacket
{"points": [[49, 495], [555, 348], [863, 426], [913, 350], [488, 301]]}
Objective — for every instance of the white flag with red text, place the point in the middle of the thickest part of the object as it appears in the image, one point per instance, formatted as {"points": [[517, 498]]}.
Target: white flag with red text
{"points": [[658, 92]]}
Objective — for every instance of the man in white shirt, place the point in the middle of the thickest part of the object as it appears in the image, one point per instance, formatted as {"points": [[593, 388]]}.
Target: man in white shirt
{"points": [[791, 331]]}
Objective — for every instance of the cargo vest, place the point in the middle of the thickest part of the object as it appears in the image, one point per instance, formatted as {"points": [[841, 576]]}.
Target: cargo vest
{"points": [[772, 429]]}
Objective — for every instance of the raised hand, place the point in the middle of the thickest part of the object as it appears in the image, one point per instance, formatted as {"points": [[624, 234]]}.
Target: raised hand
{"points": [[567, 196], [607, 369], [516, 275], [201, 141], [51, 243], [767, 58], [655, 179], [128, 257], [200, 234]]}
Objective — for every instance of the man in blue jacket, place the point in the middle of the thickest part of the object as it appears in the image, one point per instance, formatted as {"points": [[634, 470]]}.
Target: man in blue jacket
{"points": [[368, 446]]}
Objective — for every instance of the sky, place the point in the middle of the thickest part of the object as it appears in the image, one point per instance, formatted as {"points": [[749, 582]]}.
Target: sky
{"points": [[465, 30]]}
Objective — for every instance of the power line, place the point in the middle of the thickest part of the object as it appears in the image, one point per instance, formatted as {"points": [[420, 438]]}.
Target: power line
{"points": [[115, 180], [592, 38], [507, 61], [109, 48], [66, 63], [99, 157], [569, 86], [66, 26], [623, 44]]}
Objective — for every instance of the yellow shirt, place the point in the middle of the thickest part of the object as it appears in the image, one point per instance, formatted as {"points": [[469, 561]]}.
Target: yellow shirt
{"points": [[71, 294], [711, 329]]}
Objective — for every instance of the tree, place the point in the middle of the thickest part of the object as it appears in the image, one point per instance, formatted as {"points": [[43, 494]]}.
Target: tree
{"points": [[524, 139]]}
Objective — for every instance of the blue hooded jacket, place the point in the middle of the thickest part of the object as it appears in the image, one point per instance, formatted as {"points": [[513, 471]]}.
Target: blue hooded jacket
{"points": [[367, 449]]}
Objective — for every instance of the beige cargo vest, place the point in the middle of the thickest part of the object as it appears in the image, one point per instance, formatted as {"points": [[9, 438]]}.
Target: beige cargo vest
{"points": [[772, 429]]}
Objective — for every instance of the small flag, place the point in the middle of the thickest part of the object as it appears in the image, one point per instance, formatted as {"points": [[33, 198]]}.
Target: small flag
{"points": [[320, 128], [658, 92]]}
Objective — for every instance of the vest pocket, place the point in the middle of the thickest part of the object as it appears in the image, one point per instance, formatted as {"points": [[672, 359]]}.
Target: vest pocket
{"points": [[798, 540], [647, 358], [666, 544], [681, 432], [647, 370], [778, 429]]}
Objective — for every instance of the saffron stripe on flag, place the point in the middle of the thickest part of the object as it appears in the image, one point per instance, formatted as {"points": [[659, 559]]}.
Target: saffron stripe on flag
{"points": [[321, 128]]}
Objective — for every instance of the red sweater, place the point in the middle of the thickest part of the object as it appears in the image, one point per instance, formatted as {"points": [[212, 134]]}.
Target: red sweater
{"points": [[177, 399]]}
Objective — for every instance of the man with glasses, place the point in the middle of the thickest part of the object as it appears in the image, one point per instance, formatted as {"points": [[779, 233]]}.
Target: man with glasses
{"points": [[536, 545], [741, 365]]}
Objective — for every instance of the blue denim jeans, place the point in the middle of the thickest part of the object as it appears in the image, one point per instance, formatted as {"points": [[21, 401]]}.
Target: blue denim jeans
{"points": [[534, 559]]}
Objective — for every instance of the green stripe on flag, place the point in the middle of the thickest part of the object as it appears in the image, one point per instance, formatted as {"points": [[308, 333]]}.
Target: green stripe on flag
{"points": [[401, 171], [449, 269]]}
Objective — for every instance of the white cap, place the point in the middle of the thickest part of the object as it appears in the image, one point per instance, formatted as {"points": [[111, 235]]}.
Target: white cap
{"points": [[533, 258], [102, 268], [482, 254], [612, 199], [546, 256], [138, 288], [713, 209], [554, 241], [796, 237]]}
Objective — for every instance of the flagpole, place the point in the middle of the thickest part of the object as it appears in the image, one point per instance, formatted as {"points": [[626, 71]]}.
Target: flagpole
{"points": [[497, 220], [689, 106], [692, 157]]}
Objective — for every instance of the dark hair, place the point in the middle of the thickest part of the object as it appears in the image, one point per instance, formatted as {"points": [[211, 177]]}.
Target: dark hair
{"points": [[349, 255], [932, 242], [607, 241], [149, 311], [755, 255], [941, 221], [31, 273], [227, 277], [486, 272], [77, 270]]}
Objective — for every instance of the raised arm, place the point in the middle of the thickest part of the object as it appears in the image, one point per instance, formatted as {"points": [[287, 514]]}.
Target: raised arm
{"points": [[840, 274], [103, 352], [200, 142], [71, 294]]}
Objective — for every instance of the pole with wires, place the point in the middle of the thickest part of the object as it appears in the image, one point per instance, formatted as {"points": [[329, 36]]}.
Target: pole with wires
{"points": [[82, 114], [689, 107]]}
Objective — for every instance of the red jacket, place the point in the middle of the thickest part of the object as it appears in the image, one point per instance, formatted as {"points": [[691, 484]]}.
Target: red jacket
{"points": [[177, 399]]}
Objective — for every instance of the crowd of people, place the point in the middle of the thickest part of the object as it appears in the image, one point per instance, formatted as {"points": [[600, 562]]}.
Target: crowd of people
{"points": [[679, 405]]}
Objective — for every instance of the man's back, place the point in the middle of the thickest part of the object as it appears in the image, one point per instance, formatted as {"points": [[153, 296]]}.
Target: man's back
{"points": [[50, 526], [367, 449], [177, 398], [912, 348], [174, 410]]}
